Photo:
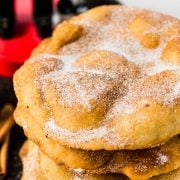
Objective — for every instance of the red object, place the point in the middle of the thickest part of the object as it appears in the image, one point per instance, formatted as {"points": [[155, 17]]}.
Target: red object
{"points": [[15, 51]]}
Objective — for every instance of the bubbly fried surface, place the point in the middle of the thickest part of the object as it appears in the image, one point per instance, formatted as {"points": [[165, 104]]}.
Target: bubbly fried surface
{"points": [[106, 79], [145, 163], [136, 164], [74, 158], [38, 166]]}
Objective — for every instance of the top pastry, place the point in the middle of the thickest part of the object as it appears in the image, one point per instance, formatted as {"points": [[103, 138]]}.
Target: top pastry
{"points": [[106, 79]]}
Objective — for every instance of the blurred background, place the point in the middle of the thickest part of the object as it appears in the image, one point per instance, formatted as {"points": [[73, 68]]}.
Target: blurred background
{"points": [[171, 7]]}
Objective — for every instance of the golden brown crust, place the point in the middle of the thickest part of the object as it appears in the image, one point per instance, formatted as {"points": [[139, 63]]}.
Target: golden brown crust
{"points": [[171, 52], [38, 166], [135, 164], [63, 34], [173, 175], [79, 81], [73, 158]]}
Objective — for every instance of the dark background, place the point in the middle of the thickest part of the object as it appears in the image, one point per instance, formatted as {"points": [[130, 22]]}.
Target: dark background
{"points": [[14, 163]]}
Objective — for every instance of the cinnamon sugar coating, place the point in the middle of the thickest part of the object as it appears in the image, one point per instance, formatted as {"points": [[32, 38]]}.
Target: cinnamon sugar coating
{"points": [[38, 166], [107, 79], [136, 164]]}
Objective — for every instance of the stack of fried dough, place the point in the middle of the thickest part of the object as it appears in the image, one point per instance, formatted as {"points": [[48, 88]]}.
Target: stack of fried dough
{"points": [[100, 98]]}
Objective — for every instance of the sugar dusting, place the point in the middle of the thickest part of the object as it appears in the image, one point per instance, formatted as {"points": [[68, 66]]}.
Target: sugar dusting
{"points": [[176, 90], [23, 123], [79, 173], [85, 86], [30, 165], [160, 67], [154, 159], [162, 159], [76, 85], [87, 134]]}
